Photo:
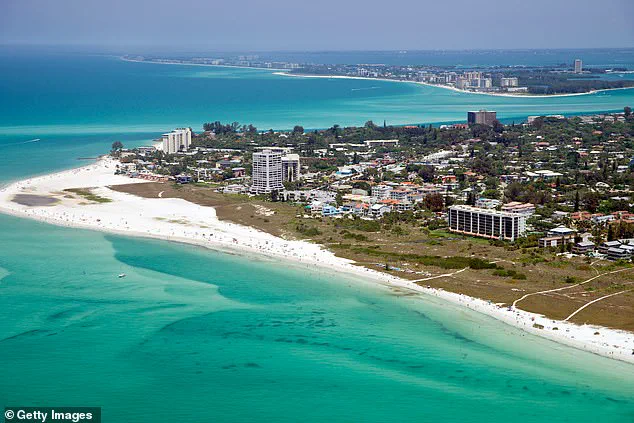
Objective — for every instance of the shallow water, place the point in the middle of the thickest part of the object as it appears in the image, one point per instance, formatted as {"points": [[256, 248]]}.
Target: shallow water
{"points": [[52, 94], [204, 336]]}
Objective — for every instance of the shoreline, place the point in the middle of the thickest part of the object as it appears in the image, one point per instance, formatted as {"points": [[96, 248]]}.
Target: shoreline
{"points": [[177, 220], [285, 72], [125, 59], [447, 87]]}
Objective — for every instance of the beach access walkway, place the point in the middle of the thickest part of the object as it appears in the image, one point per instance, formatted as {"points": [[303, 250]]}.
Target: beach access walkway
{"points": [[440, 276], [570, 286]]}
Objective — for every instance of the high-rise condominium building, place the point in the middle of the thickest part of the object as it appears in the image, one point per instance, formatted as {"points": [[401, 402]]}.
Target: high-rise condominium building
{"points": [[481, 117], [177, 140], [509, 82], [290, 168], [578, 66], [267, 172]]}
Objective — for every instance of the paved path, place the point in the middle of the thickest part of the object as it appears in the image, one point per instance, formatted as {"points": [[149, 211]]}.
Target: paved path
{"points": [[568, 287], [440, 276], [594, 301]]}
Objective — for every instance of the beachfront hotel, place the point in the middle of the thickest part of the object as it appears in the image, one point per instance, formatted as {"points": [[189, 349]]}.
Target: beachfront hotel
{"points": [[267, 172], [177, 140], [486, 223]]}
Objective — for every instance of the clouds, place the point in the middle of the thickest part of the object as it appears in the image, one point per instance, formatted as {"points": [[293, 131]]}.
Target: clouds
{"points": [[325, 24]]}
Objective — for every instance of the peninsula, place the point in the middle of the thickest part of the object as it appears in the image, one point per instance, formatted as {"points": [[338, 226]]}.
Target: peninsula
{"points": [[562, 79], [550, 253]]}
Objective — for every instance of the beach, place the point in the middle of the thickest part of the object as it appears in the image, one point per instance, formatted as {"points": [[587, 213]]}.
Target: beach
{"points": [[448, 87], [181, 221]]}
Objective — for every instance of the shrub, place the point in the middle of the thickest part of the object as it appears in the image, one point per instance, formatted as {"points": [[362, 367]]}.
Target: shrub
{"points": [[308, 230], [509, 273]]}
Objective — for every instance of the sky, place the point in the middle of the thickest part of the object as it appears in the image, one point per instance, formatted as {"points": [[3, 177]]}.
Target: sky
{"points": [[283, 25]]}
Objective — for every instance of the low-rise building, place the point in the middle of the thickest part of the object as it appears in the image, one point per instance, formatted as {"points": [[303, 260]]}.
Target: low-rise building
{"points": [[616, 253], [583, 247], [378, 210], [381, 192], [487, 203], [557, 237], [605, 246], [234, 189], [555, 241], [381, 143], [329, 211], [515, 207], [561, 231]]}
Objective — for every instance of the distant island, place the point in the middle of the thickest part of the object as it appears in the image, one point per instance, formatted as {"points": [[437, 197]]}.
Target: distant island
{"points": [[562, 79]]}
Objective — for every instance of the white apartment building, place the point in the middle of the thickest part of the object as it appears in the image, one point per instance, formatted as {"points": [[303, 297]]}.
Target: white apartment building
{"points": [[486, 223], [381, 192], [267, 172], [578, 66], [180, 138], [509, 82]]}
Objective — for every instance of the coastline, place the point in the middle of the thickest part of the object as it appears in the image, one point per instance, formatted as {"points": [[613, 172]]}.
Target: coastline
{"points": [[447, 87], [180, 221], [285, 72], [125, 59]]}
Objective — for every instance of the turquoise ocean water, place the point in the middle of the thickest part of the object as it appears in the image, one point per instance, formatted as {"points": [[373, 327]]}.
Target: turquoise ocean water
{"points": [[195, 335]]}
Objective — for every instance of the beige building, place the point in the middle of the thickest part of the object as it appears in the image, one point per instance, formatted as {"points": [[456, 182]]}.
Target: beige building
{"points": [[481, 117], [290, 167]]}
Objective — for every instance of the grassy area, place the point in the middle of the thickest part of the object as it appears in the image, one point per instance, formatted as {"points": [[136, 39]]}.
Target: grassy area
{"points": [[499, 273], [454, 262], [88, 195]]}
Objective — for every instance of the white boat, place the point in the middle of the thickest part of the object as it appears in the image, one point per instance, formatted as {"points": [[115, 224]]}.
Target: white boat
{"points": [[122, 275]]}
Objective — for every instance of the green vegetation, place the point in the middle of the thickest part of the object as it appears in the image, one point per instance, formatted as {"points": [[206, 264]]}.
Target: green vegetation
{"points": [[456, 262], [349, 235], [509, 273], [86, 194], [117, 146], [359, 225], [307, 230]]}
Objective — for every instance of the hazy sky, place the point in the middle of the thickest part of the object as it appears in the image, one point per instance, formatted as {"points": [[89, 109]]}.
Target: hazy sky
{"points": [[320, 24]]}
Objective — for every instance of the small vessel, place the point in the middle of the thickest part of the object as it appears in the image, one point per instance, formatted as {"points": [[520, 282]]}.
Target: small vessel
{"points": [[122, 275]]}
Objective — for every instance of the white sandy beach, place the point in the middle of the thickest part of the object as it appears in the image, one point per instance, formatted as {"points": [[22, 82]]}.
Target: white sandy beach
{"points": [[182, 221], [447, 87]]}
